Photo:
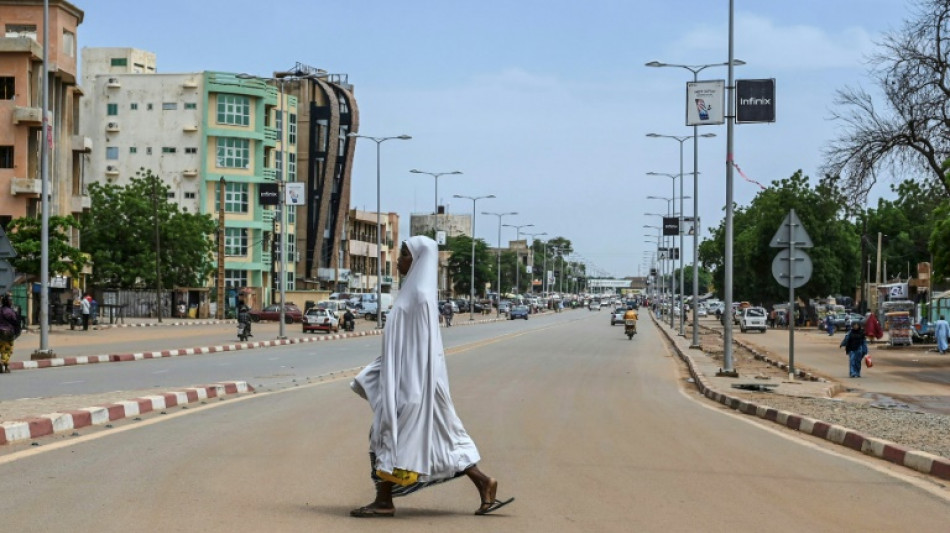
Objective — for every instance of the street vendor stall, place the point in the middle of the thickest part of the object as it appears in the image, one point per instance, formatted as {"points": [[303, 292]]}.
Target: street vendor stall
{"points": [[899, 328]]}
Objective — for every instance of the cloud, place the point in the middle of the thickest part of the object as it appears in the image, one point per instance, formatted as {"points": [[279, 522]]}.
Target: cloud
{"points": [[762, 43]]}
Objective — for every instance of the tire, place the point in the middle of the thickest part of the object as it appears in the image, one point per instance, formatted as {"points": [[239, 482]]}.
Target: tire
{"points": [[629, 336], [288, 319], [742, 329], [255, 318]]}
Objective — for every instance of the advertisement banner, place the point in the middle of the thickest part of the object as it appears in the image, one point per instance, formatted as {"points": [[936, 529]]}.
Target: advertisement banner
{"points": [[269, 194], [755, 101], [671, 226], [294, 193], [705, 103]]}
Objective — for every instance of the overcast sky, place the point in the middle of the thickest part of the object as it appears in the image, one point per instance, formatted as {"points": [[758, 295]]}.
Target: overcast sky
{"points": [[544, 103]]}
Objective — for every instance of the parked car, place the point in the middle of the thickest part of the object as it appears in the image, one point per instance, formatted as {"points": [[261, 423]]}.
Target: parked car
{"points": [[843, 321], [518, 311], [320, 319], [462, 305], [752, 318], [292, 313], [617, 316], [455, 307], [701, 310]]}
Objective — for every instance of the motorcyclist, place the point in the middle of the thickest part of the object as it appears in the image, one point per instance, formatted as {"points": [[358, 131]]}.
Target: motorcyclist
{"points": [[244, 316], [349, 320], [630, 314]]}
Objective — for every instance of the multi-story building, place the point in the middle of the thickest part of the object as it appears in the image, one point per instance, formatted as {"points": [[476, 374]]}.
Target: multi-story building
{"points": [[194, 130], [452, 225], [21, 114], [327, 113], [361, 257]]}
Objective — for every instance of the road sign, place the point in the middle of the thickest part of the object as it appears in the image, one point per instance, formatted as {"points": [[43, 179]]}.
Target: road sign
{"points": [[796, 271], [799, 236], [6, 275], [6, 247]]}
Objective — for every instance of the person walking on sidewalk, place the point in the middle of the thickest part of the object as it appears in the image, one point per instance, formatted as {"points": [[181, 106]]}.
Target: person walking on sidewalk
{"points": [[416, 439], [9, 331], [86, 306], [942, 333], [854, 345]]}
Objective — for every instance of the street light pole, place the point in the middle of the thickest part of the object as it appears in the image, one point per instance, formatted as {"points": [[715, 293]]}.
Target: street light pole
{"points": [[533, 236], [696, 69], [435, 213], [498, 269], [471, 296], [379, 225], [517, 255]]}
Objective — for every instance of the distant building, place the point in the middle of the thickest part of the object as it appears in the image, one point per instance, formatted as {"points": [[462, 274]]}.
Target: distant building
{"points": [[452, 225], [360, 271]]}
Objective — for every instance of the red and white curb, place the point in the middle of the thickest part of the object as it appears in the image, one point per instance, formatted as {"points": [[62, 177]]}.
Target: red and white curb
{"points": [[49, 424], [139, 356], [920, 461]]}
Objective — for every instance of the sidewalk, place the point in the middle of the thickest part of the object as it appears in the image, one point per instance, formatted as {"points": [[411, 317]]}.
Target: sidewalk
{"points": [[704, 369]]}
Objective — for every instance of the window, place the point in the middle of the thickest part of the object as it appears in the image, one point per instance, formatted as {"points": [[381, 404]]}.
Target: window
{"points": [[189, 196], [234, 109], [341, 149], [291, 214], [292, 128], [169, 106], [148, 150], [344, 107], [112, 109], [170, 195], [133, 106], [169, 149], [7, 87], [133, 150], [279, 164], [235, 241], [69, 43], [148, 107], [235, 197], [233, 152], [191, 150], [291, 167], [119, 62], [191, 105], [6, 157], [21, 30], [279, 124], [112, 152], [235, 278]]}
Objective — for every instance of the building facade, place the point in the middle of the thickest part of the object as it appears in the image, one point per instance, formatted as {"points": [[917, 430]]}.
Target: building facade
{"points": [[195, 131], [21, 112], [452, 225], [360, 266]]}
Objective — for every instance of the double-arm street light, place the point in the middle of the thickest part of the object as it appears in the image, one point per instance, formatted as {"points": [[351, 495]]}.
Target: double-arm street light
{"points": [[281, 77], [517, 255], [379, 225], [672, 212], [727, 296], [681, 140], [471, 296], [498, 288]]}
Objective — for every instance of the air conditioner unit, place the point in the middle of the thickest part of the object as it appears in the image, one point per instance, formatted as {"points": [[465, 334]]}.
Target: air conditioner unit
{"points": [[112, 125], [112, 169], [112, 82]]}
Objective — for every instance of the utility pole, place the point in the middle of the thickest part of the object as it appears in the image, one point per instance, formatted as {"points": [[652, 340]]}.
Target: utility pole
{"points": [[219, 312]]}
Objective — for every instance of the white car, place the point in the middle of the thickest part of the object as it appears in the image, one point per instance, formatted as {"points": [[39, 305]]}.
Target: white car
{"points": [[752, 318], [594, 305], [320, 319]]}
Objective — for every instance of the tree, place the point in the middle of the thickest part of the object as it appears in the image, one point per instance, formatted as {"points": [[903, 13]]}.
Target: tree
{"points": [[460, 264], [26, 237], [834, 255], [121, 238], [910, 129]]}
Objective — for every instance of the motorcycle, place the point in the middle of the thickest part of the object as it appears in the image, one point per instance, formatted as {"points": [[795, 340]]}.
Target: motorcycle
{"points": [[349, 324], [242, 333], [629, 328]]}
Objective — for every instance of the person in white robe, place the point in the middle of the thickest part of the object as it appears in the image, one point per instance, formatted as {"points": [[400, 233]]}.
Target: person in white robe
{"points": [[416, 439]]}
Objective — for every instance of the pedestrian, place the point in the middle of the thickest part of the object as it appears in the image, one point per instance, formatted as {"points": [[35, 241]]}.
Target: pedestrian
{"points": [[85, 305], [830, 324], [772, 314], [942, 333], [448, 312], [416, 439], [9, 331], [854, 344]]}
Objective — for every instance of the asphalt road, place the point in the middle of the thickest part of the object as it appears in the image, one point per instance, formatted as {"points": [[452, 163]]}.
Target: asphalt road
{"points": [[591, 432]]}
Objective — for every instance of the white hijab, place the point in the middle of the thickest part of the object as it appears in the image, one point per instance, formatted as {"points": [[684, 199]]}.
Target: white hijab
{"points": [[415, 427]]}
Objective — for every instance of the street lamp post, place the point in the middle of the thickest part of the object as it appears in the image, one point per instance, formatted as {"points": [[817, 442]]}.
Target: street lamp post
{"points": [[435, 213], [672, 212], [517, 255], [533, 236], [471, 296], [280, 77], [696, 69], [498, 288], [379, 226], [660, 287], [680, 140]]}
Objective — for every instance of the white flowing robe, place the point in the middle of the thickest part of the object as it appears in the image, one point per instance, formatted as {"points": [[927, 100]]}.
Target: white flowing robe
{"points": [[415, 427]]}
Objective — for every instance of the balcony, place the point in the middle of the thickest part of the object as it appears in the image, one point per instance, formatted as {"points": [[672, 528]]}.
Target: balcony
{"points": [[78, 204], [270, 136], [28, 116], [270, 174], [26, 186], [81, 143]]}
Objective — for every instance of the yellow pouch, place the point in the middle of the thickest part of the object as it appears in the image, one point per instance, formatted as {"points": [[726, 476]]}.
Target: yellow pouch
{"points": [[399, 476]]}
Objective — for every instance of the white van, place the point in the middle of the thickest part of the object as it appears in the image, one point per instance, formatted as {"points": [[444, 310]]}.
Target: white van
{"points": [[368, 305]]}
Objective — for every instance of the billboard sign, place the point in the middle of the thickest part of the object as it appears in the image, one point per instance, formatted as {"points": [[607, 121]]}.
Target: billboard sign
{"points": [[269, 193], [705, 103], [755, 101], [294, 191], [671, 226]]}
